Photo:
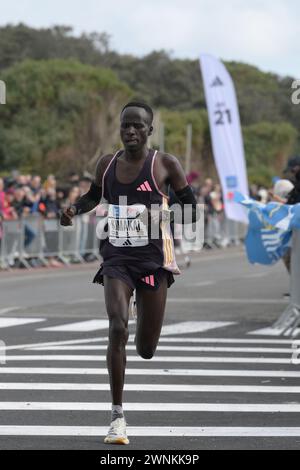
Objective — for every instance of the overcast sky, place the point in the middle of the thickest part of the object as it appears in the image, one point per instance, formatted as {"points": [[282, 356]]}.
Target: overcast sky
{"points": [[265, 33]]}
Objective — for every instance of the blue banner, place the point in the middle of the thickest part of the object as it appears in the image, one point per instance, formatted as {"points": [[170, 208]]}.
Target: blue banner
{"points": [[270, 229]]}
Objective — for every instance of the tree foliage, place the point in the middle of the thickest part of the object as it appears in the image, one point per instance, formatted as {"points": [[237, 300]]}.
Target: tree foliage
{"points": [[65, 93], [267, 147], [60, 114]]}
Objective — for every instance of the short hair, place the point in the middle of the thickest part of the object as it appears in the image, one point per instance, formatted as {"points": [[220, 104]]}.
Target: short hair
{"points": [[138, 104]]}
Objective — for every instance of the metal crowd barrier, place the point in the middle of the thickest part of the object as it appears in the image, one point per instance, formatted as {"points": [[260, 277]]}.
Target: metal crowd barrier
{"points": [[39, 238], [224, 232], [289, 321]]}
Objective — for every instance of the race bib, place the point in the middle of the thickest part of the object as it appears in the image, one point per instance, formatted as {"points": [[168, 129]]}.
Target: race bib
{"points": [[127, 226]]}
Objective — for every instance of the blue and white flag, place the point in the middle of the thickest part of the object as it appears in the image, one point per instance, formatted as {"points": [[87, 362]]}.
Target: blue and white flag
{"points": [[270, 229]]}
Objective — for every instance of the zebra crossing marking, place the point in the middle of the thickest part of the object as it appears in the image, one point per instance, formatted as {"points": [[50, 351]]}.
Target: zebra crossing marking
{"points": [[152, 372], [152, 387], [7, 322], [167, 330], [273, 332], [174, 328], [162, 340], [161, 407], [88, 325], [55, 343], [217, 345], [170, 348], [152, 431], [193, 327], [183, 359], [223, 340]]}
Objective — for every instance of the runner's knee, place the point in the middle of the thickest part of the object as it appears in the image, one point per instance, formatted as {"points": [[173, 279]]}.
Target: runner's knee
{"points": [[118, 331], [145, 352]]}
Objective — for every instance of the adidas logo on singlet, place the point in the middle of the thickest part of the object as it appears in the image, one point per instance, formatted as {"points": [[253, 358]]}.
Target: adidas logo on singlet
{"points": [[145, 187], [127, 243]]}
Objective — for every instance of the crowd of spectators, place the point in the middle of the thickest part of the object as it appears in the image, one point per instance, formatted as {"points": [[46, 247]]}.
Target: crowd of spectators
{"points": [[24, 195], [218, 231]]}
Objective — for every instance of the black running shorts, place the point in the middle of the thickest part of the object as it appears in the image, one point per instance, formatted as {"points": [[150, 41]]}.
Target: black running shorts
{"points": [[134, 276]]}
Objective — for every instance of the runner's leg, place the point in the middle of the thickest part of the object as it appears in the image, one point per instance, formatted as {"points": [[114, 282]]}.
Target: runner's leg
{"points": [[150, 314], [117, 296]]}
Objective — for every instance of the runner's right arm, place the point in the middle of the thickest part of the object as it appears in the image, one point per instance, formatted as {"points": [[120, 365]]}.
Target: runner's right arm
{"points": [[92, 198]]}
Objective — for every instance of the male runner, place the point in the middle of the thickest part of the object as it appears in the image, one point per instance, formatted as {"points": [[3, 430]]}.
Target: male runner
{"points": [[131, 258]]}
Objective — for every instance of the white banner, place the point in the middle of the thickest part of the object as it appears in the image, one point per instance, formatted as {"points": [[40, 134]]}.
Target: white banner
{"points": [[226, 134]]}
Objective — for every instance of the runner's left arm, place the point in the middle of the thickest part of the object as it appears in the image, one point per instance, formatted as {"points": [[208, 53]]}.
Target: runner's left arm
{"points": [[183, 191], [91, 199]]}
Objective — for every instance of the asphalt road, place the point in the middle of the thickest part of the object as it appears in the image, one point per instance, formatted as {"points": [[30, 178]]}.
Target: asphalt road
{"points": [[217, 381]]}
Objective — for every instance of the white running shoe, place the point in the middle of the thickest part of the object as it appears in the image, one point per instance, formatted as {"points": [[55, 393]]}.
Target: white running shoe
{"points": [[117, 433]]}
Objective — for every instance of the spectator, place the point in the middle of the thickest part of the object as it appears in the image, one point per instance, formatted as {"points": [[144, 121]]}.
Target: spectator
{"points": [[51, 204], [50, 183], [262, 195], [73, 179], [74, 194], [216, 209], [2, 201], [280, 193], [35, 184], [9, 212], [2, 196], [20, 203], [61, 195], [293, 168]]}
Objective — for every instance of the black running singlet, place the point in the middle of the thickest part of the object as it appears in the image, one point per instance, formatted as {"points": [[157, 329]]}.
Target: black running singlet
{"points": [[129, 240]]}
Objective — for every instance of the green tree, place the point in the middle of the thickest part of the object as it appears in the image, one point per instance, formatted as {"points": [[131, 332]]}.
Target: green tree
{"points": [[59, 115], [267, 147]]}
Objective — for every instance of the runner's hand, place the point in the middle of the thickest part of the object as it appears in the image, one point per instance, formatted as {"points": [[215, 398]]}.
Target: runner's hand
{"points": [[67, 216]]}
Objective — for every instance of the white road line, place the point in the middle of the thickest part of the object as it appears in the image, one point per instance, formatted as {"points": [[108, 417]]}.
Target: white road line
{"points": [[157, 431], [152, 372], [103, 347], [176, 328], [152, 387], [177, 407], [227, 301], [162, 340], [10, 321], [56, 343], [223, 340], [192, 359], [89, 325], [193, 327], [271, 332]]}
